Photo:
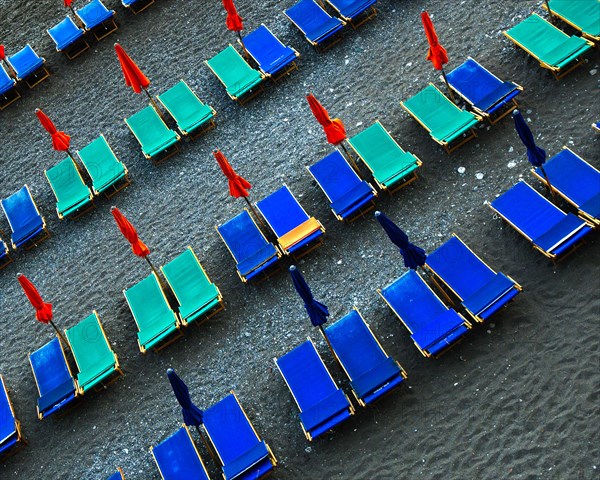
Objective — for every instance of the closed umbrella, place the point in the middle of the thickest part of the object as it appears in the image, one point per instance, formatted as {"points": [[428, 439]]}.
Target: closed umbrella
{"points": [[60, 140], [234, 22], [413, 256], [69, 5], [134, 77], [437, 54]]}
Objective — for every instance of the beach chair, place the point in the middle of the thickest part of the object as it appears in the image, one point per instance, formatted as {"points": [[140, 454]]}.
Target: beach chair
{"points": [[576, 181], [4, 256], [433, 327], [583, 15], [549, 229], [317, 26], [108, 174], [98, 19], [197, 296], [27, 225], [483, 91], [8, 89], [349, 196], [137, 6], [322, 404], [372, 373], [118, 475], [68, 38], [241, 81], [152, 314], [28, 66], [177, 457], [241, 452], [11, 438], [481, 291], [272, 57], [53, 377], [192, 116], [294, 229], [596, 126], [253, 254], [392, 168], [73, 196], [356, 12], [551, 47], [446, 123], [158, 141], [95, 359]]}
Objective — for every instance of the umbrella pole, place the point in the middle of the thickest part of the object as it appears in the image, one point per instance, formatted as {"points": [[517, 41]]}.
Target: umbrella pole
{"points": [[327, 340], [154, 104], [205, 442], [255, 212], [243, 46], [152, 266], [548, 184], [60, 335], [350, 157], [549, 11], [450, 94]]}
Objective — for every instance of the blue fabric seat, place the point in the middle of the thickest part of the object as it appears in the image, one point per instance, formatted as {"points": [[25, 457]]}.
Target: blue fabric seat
{"points": [[94, 14], [7, 83], [53, 378], [268, 52], [117, 475], [25, 62], [178, 459], [433, 326], [548, 228], [351, 9], [314, 22], [322, 404], [26, 222], [346, 191], [65, 34], [10, 431], [481, 290], [371, 371], [243, 455]]}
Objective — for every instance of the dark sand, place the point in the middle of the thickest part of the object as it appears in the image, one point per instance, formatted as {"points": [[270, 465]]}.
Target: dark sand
{"points": [[517, 399]]}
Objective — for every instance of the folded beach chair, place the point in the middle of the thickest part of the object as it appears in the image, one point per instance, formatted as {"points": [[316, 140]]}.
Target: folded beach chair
{"points": [[321, 403], [241, 452], [551, 47], [582, 15], [152, 314], [192, 116], [28, 66], [68, 38], [53, 377], [94, 357], [248, 246], [178, 459], [98, 19], [196, 294], [108, 174], [26, 223], [356, 12], [4, 256], [485, 93], [432, 325], [317, 26], [294, 229], [240, 80], [73, 197], [118, 475], [549, 229], [8, 89], [137, 6], [349, 196], [482, 291], [391, 167], [272, 57], [10, 428], [576, 181], [158, 141], [372, 373]]}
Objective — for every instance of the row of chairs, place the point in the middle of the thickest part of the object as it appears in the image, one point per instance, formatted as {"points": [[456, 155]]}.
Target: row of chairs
{"points": [[23, 67]]}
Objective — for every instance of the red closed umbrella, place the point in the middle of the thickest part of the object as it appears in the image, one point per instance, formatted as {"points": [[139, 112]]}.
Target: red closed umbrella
{"points": [[334, 129], [2, 54], [234, 22], [60, 140], [134, 77], [69, 5], [437, 54]]}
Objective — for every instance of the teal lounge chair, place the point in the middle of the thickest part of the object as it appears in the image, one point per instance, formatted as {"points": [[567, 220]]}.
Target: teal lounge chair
{"points": [[157, 140], [73, 197], [582, 15], [108, 174]]}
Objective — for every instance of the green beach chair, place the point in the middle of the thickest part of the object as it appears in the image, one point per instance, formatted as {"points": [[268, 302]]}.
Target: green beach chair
{"points": [[391, 167], [193, 117], [158, 141], [239, 78], [583, 15], [152, 314], [197, 295], [445, 122], [108, 174], [93, 355], [551, 47], [73, 196]]}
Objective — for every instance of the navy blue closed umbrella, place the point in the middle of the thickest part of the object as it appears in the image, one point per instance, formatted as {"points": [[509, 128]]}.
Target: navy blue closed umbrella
{"points": [[317, 312], [413, 256]]}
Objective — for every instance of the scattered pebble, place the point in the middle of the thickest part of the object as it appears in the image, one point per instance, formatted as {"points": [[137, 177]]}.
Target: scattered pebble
{"points": [[479, 176], [462, 170], [593, 71], [511, 149], [512, 164]]}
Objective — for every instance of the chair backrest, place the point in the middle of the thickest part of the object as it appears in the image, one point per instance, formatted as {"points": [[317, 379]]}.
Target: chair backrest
{"points": [[147, 302], [282, 211], [474, 82], [94, 13], [335, 176], [66, 182], [25, 61], [99, 160], [308, 16], [50, 367], [231, 68], [148, 126], [432, 108], [7, 416], [178, 458], [186, 277], [21, 211], [182, 103], [242, 236], [538, 36], [65, 33], [6, 81], [266, 49]]}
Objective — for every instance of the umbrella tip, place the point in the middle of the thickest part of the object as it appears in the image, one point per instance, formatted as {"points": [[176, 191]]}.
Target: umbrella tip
{"points": [[292, 268], [37, 109], [377, 213], [19, 275], [170, 371], [515, 112], [113, 208]]}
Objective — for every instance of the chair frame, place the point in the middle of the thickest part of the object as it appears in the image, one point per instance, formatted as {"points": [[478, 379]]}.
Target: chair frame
{"points": [[108, 26], [7, 259], [6, 99], [367, 15], [21, 442], [330, 41], [144, 4], [71, 51], [191, 440]]}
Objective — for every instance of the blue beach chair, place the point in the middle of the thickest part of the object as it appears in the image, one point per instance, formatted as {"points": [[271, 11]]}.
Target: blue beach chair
{"points": [[26, 223], [4, 257], [53, 377], [118, 475], [321, 403], [28, 66], [242, 454], [354, 10], [482, 291], [8, 89], [315, 23], [273, 57], [433, 326], [68, 38], [549, 229], [489, 96], [294, 229], [371, 371], [248, 246], [10, 428], [178, 459], [596, 125], [98, 19], [137, 6], [350, 197]]}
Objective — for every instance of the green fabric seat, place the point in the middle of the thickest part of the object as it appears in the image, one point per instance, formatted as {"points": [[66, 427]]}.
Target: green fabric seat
{"points": [[151, 311], [102, 165], [196, 294], [234, 72], [186, 108], [95, 359], [583, 15], [71, 193], [152, 133], [388, 162]]}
